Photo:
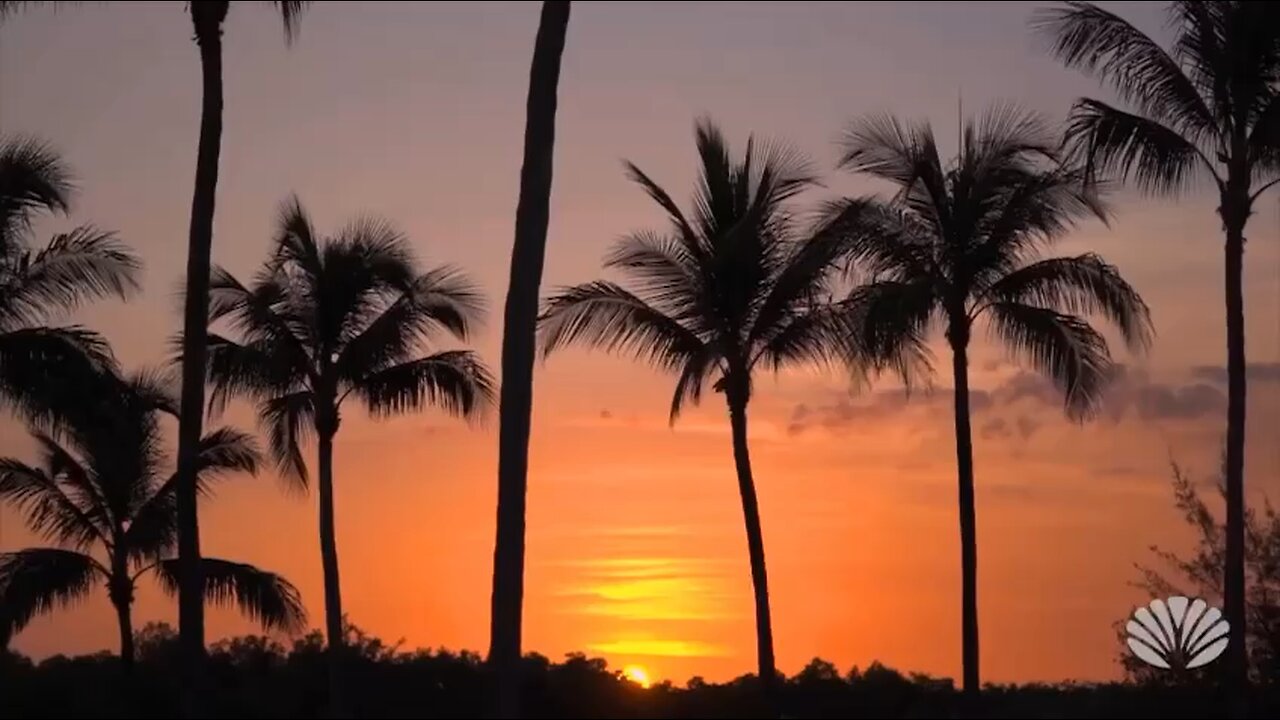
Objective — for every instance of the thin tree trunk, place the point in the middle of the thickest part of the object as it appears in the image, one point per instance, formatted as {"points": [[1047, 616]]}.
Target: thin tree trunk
{"points": [[1234, 585], [207, 18], [968, 522], [765, 665], [125, 618], [332, 587], [518, 350]]}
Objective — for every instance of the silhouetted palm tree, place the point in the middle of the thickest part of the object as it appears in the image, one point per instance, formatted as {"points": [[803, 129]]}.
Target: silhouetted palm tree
{"points": [[38, 285], [330, 318], [101, 493], [1209, 108], [519, 346], [964, 241], [717, 295], [207, 17]]}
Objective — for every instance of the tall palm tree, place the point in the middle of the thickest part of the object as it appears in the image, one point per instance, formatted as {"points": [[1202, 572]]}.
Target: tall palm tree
{"points": [[207, 18], [964, 241], [714, 297], [331, 318], [1209, 108], [519, 346], [39, 285], [101, 493]]}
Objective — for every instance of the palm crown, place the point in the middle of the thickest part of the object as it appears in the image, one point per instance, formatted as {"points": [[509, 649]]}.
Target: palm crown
{"points": [[718, 292], [37, 286], [1210, 107], [103, 493], [964, 241], [330, 318]]}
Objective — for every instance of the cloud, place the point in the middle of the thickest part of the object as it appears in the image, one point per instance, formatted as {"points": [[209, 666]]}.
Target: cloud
{"points": [[995, 429], [1021, 404], [848, 411], [1268, 372]]}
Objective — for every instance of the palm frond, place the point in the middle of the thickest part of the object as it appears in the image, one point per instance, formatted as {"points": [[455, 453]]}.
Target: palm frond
{"points": [[606, 316], [905, 155], [694, 244], [1080, 285], [697, 369], [223, 452], [663, 269], [46, 507], [1063, 347], [443, 298], [296, 244], [33, 178], [1102, 43], [1156, 158], [289, 421], [78, 483], [251, 370], [77, 266], [1029, 213], [877, 237], [38, 580], [456, 381], [43, 369], [291, 16], [891, 321], [263, 313], [265, 597]]}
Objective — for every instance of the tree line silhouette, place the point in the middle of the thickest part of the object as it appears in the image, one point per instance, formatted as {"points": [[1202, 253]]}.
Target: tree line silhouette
{"points": [[742, 281]]}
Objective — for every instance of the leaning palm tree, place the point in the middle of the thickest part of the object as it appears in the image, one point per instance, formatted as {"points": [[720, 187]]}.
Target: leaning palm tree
{"points": [[207, 18], [964, 241], [519, 347], [37, 285], [327, 319], [101, 492], [1209, 108], [718, 295]]}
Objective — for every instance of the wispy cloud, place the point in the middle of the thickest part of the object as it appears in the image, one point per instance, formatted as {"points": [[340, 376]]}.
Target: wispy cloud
{"points": [[660, 648]]}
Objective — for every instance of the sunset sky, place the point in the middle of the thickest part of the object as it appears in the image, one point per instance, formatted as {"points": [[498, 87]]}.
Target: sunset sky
{"points": [[636, 550]]}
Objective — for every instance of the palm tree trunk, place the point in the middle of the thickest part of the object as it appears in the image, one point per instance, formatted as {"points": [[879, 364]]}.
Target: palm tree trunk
{"points": [[1234, 580], [968, 522], [124, 616], [518, 350], [207, 19], [766, 668], [332, 588]]}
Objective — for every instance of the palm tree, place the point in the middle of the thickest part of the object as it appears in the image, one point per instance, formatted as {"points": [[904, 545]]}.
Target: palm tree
{"points": [[101, 494], [519, 346], [1208, 108], [207, 18], [39, 285], [965, 241], [716, 296], [330, 318]]}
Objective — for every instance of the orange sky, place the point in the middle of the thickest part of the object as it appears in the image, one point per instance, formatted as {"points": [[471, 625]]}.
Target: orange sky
{"points": [[636, 550]]}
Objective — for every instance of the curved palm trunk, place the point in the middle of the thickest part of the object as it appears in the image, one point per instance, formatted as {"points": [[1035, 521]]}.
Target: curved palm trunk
{"points": [[332, 588], [1234, 579], [968, 522], [766, 667], [518, 350], [207, 18]]}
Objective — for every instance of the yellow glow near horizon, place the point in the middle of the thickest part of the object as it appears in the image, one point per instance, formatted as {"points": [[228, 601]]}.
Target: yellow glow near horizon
{"points": [[637, 675]]}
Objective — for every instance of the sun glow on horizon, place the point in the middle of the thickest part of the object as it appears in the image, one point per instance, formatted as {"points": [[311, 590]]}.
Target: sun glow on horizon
{"points": [[638, 675]]}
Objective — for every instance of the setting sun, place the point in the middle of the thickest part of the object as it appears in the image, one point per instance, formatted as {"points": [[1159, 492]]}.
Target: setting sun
{"points": [[637, 675]]}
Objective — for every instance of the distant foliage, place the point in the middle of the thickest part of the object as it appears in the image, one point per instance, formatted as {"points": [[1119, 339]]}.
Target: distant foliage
{"points": [[1199, 574], [257, 676]]}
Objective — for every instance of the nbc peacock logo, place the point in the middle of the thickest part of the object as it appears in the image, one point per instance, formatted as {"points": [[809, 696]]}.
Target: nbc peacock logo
{"points": [[1178, 633]]}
